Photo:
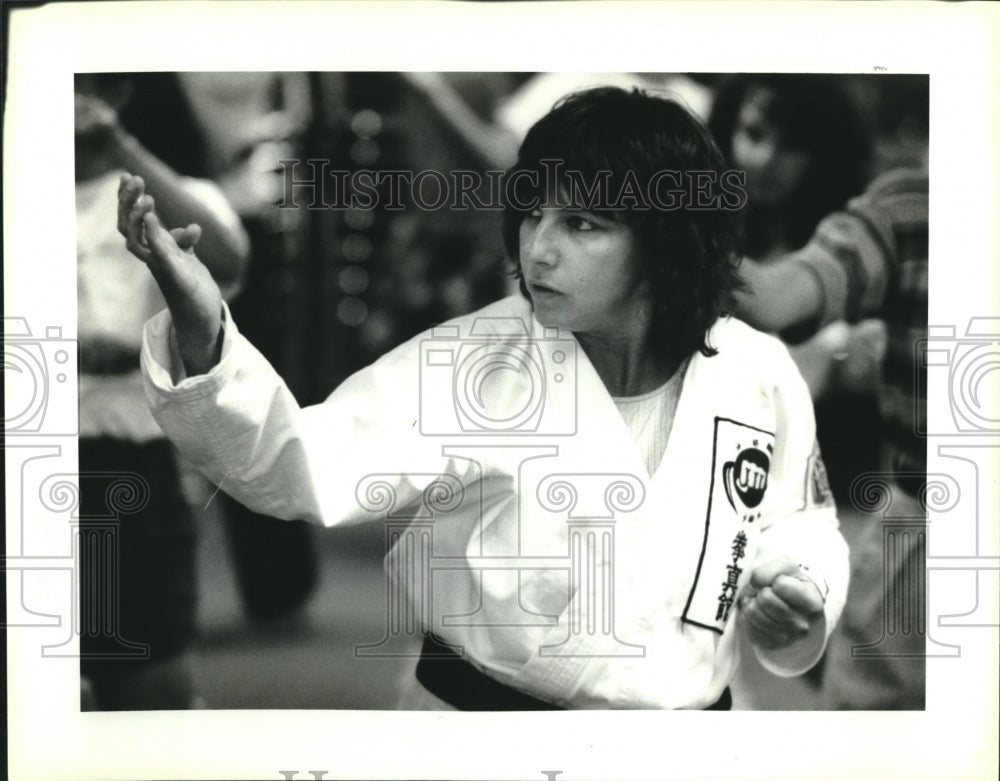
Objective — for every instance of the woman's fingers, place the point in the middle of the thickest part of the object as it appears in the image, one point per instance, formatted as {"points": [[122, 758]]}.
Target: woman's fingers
{"points": [[170, 251], [773, 623], [125, 200], [133, 203], [137, 232], [799, 593], [142, 206], [772, 606], [161, 242], [763, 630], [764, 574], [186, 238]]}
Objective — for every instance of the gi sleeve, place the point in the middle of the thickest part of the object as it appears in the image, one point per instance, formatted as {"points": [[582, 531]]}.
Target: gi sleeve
{"points": [[855, 255], [242, 428], [800, 521]]}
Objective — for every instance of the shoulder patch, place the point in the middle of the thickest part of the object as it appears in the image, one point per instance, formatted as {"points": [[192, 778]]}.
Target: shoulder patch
{"points": [[817, 491]]}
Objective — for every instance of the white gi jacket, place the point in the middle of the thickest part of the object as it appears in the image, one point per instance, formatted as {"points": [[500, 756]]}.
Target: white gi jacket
{"points": [[526, 529]]}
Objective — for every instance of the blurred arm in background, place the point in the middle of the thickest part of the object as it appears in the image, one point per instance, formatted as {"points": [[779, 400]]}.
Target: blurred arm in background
{"points": [[248, 121], [223, 245], [490, 141], [868, 261]]}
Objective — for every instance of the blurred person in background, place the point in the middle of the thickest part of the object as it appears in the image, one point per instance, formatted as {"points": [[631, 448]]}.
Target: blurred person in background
{"points": [[860, 282], [803, 145], [156, 545], [246, 123], [869, 261]]}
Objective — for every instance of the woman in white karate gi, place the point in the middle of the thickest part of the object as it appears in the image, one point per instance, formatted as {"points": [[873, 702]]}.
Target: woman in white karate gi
{"points": [[592, 486]]}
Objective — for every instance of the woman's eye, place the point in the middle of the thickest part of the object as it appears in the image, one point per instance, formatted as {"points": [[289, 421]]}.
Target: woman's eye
{"points": [[581, 223], [751, 132]]}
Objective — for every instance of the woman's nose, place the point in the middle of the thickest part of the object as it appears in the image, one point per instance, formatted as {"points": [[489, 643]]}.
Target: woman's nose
{"points": [[538, 241]]}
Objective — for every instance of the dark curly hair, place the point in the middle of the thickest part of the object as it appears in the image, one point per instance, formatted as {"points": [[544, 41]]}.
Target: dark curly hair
{"points": [[689, 253], [814, 114]]}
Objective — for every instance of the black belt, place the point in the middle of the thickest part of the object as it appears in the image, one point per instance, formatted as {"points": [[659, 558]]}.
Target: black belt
{"points": [[451, 678], [102, 357]]}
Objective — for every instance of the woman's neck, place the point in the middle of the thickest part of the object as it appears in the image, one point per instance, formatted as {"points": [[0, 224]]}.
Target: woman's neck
{"points": [[627, 366]]}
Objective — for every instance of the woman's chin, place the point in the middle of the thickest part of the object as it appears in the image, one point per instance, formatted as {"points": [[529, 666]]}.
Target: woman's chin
{"points": [[547, 316]]}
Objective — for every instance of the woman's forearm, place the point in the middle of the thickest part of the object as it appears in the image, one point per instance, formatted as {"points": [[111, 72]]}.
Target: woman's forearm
{"points": [[223, 248], [778, 295]]}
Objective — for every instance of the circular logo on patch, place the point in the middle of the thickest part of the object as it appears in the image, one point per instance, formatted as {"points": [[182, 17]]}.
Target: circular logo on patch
{"points": [[747, 477]]}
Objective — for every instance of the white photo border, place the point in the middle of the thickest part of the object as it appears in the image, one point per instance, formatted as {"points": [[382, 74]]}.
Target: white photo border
{"points": [[956, 44]]}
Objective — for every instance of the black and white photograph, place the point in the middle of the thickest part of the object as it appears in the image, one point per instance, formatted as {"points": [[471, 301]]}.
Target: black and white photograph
{"points": [[370, 401]]}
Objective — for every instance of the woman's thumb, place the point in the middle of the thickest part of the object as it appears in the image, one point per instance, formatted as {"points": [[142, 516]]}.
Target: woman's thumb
{"points": [[188, 237], [154, 232], [158, 238]]}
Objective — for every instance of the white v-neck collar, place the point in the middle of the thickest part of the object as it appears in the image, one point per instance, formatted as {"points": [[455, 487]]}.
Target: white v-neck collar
{"points": [[607, 417]]}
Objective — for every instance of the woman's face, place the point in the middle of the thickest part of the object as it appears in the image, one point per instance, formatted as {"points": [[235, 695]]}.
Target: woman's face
{"points": [[582, 271], [774, 170]]}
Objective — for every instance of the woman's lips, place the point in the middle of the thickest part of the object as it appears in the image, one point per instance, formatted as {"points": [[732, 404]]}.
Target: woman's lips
{"points": [[538, 288]]}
